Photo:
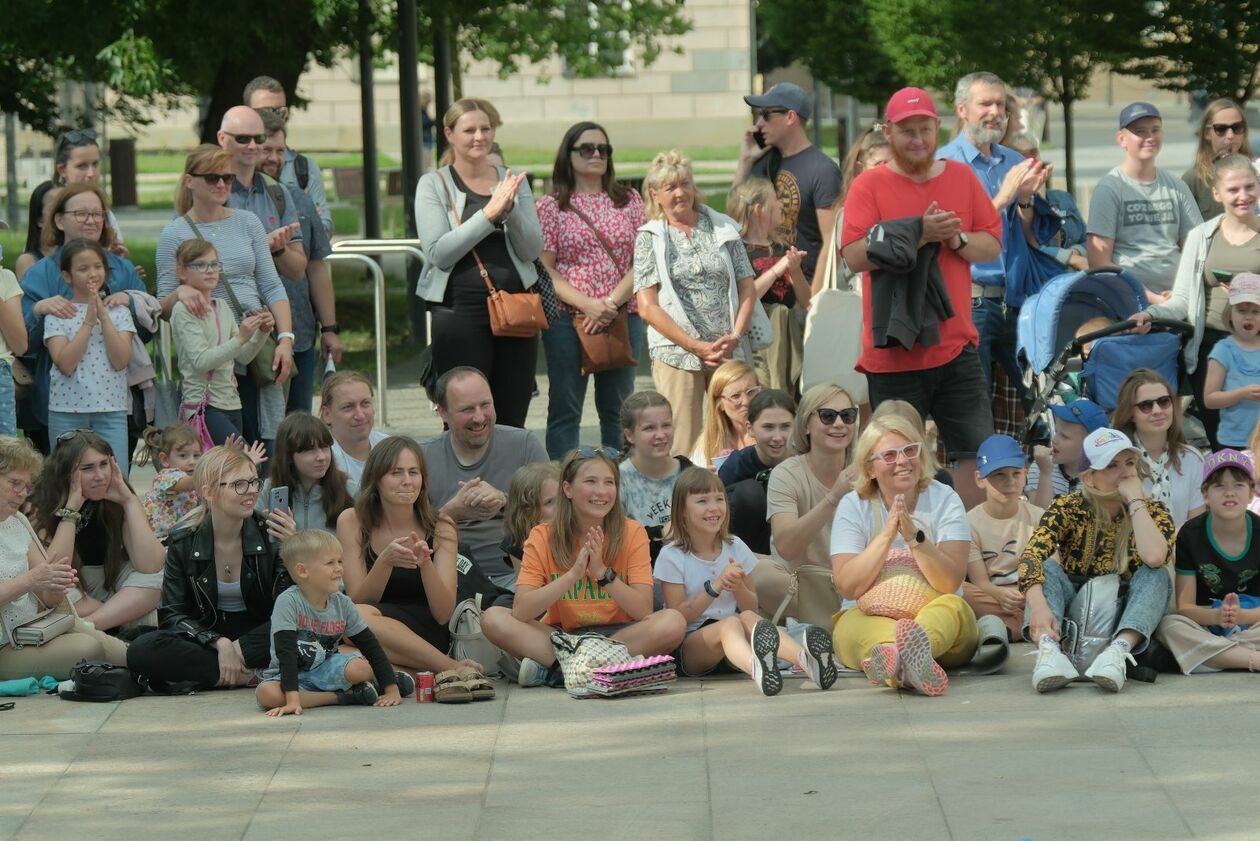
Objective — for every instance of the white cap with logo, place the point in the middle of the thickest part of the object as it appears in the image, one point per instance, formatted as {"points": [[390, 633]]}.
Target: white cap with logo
{"points": [[1103, 445]]}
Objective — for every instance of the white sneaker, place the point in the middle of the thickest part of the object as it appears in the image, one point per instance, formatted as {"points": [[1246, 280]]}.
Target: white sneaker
{"points": [[1053, 670], [532, 673], [1108, 668]]}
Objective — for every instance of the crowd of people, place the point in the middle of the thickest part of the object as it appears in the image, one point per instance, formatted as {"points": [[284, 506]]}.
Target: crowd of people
{"points": [[728, 517]]}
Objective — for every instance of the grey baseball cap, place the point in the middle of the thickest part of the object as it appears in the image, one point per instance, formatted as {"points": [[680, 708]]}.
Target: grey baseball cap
{"points": [[783, 95], [1135, 111]]}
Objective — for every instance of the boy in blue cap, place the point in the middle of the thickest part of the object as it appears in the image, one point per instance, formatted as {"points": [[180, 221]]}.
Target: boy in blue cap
{"points": [[1000, 529], [1057, 471]]}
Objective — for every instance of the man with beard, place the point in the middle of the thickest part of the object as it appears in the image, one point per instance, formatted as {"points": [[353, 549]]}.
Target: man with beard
{"points": [[471, 465], [957, 226]]}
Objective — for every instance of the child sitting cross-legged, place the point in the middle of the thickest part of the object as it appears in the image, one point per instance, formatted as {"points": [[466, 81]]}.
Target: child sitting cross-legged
{"points": [[308, 621], [704, 575]]}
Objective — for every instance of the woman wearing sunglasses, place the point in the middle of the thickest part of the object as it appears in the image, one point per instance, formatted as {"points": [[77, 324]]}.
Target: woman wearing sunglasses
{"points": [[899, 547], [589, 223], [801, 498], [1149, 412], [1222, 132], [223, 574]]}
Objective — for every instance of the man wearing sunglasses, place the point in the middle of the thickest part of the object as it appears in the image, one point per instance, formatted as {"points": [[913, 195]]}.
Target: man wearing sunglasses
{"points": [[299, 172], [777, 147], [1139, 215]]}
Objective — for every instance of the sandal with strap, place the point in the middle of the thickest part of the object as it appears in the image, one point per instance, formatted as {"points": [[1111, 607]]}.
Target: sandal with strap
{"points": [[481, 688], [449, 688]]}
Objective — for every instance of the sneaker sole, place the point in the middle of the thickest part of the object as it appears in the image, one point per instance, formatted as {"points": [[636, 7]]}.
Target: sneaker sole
{"points": [[882, 665], [1051, 683], [918, 669], [406, 684], [820, 656], [1105, 682], [765, 646]]}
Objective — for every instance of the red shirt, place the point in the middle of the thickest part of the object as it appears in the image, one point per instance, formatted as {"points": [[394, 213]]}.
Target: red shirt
{"points": [[880, 194]]}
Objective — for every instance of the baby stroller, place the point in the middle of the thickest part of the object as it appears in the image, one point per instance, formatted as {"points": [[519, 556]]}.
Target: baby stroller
{"points": [[1049, 349]]}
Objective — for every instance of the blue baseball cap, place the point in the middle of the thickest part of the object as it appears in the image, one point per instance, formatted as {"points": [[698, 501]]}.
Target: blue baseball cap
{"points": [[1085, 412], [784, 95], [997, 452], [1135, 111]]}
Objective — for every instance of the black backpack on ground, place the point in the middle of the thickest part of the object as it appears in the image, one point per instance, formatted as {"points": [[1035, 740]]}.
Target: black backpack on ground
{"points": [[101, 682]]}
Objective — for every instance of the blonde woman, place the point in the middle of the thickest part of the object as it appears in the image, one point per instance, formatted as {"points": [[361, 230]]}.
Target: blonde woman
{"points": [[733, 386], [899, 547], [695, 289]]}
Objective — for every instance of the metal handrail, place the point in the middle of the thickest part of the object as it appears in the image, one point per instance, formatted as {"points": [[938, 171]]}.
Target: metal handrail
{"points": [[378, 283], [361, 244]]}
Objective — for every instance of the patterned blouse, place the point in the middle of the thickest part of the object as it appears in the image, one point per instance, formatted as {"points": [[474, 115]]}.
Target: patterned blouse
{"points": [[1068, 528], [580, 257]]}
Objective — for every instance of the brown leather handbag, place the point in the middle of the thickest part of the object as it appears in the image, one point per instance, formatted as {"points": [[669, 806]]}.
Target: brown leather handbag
{"points": [[610, 348], [512, 314]]}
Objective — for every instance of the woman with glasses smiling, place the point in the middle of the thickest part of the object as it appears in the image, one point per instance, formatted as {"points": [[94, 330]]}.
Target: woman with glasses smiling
{"points": [[589, 223], [223, 574], [733, 386], [1222, 132]]}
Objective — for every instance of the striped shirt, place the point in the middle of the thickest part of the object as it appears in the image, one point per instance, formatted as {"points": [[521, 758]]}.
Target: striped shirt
{"points": [[1060, 482], [243, 250]]}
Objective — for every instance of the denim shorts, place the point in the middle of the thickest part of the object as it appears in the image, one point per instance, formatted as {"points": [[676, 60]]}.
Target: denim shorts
{"points": [[328, 676]]}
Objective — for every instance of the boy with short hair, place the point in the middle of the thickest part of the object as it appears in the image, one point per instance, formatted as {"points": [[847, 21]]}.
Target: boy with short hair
{"points": [[307, 623], [1058, 471], [1001, 527]]}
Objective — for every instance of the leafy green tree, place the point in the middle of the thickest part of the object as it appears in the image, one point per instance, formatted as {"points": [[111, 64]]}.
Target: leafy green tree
{"points": [[1209, 47]]}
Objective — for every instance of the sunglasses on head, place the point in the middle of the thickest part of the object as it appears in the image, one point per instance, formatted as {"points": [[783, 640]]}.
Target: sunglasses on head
{"points": [[1222, 129], [213, 178], [77, 137], [246, 139], [1147, 406], [592, 452], [828, 416], [71, 434], [588, 150], [889, 456]]}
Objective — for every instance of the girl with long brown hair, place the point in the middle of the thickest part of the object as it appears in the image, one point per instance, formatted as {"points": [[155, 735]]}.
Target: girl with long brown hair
{"points": [[1222, 132]]}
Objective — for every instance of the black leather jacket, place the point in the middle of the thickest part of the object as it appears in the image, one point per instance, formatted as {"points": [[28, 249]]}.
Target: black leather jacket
{"points": [[190, 594]]}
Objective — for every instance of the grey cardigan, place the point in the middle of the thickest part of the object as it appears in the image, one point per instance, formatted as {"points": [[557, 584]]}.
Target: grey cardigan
{"points": [[445, 245]]}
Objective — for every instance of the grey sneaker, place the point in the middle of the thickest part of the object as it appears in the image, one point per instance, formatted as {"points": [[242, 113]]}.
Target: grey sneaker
{"points": [[532, 673], [361, 694], [406, 684], [765, 663], [818, 658]]}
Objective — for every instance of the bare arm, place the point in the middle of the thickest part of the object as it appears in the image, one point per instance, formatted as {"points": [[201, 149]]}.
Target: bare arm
{"points": [[291, 262], [363, 585], [1187, 589], [143, 549], [439, 575], [13, 326], [117, 342], [1099, 250]]}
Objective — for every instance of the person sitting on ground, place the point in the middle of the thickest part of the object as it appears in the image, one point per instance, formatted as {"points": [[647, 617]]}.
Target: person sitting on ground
{"points": [[176, 449], [30, 579], [307, 623], [731, 388], [1000, 529], [648, 471], [899, 547], [1216, 625], [531, 499], [223, 575], [347, 404], [303, 463], [587, 571], [1060, 473], [1106, 526], [704, 575], [471, 465], [85, 510], [745, 473]]}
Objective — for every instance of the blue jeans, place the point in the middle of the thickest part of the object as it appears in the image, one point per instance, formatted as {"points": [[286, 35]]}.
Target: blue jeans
{"points": [[997, 323], [328, 676], [8, 397], [112, 426], [1144, 602], [222, 422], [567, 391], [302, 381]]}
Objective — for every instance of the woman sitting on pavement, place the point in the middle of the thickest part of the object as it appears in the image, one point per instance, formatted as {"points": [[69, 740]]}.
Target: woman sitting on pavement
{"points": [[587, 571], [30, 579], [84, 508], [223, 574], [733, 385], [899, 545], [746, 473], [303, 463], [1106, 526]]}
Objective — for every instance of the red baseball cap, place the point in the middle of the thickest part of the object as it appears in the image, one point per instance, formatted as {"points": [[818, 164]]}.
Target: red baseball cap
{"points": [[909, 102]]}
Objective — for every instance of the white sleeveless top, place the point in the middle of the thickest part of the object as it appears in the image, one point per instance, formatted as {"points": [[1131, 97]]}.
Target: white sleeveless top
{"points": [[15, 540]]}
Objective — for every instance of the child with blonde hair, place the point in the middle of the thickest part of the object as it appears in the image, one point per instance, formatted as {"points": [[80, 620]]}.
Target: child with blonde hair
{"points": [[531, 500]]}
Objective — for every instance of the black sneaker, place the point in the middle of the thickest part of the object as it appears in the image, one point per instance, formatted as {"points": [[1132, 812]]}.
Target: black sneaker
{"points": [[406, 684], [361, 694]]}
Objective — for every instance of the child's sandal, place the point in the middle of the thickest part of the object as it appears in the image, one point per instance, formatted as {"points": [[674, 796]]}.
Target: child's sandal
{"points": [[481, 688], [448, 688]]}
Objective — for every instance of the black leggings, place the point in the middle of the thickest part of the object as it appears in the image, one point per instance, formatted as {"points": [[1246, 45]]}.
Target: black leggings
{"points": [[1211, 417], [462, 336], [176, 658]]}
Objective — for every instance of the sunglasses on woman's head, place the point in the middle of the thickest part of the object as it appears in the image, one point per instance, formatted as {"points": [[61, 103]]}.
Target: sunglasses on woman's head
{"points": [[828, 416], [213, 178], [70, 434], [889, 456], [1147, 406], [1222, 128], [591, 452], [588, 150]]}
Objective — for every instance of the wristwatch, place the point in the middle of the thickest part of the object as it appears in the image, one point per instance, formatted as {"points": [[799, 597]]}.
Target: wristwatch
{"points": [[708, 588], [609, 576], [919, 539], [962, 242], [331, 328]]}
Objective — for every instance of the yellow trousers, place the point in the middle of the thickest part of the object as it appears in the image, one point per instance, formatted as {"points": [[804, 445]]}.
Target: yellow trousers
{"points": [[948, 620]]}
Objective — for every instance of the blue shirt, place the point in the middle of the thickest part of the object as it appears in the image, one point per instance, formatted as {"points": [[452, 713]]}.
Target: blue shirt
{"points": [[257, 200], [1242, 368], [992, 172]]}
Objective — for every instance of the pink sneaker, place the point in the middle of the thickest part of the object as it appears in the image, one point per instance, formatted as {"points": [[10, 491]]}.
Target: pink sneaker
{"points": [[882, 666], [918, 670]]}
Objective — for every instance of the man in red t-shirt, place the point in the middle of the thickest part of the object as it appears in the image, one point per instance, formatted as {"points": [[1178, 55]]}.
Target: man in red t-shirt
{"points": [[944, 381]]}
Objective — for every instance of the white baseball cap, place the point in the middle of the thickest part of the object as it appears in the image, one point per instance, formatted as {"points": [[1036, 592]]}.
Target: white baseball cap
{"points": [[1103, 445]]}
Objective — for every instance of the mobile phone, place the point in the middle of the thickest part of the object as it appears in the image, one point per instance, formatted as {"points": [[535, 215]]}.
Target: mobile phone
{"points": [[278, 499], [760, 138], [1222, 276]]}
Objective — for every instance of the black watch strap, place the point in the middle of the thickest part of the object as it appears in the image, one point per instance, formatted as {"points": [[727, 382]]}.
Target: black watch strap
{"points": [[609, 576], [331, 328]]}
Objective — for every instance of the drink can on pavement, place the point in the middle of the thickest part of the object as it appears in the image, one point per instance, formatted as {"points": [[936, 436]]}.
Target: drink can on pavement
{"points": [[424, 687]]}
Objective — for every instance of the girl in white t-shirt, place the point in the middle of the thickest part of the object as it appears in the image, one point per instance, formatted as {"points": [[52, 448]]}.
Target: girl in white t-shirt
{"points": [[90, 351], [704, 574]]}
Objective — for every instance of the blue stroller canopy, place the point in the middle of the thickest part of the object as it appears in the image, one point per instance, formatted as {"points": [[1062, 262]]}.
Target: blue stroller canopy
{"points": [[1048, 321]]}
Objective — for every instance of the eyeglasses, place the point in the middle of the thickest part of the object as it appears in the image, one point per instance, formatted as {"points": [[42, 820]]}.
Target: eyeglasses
{"points": [[205, 266], [244, 486], [1147, 406], [213, 178], [889, 456], [744, 396], [1222, 129], [246, 139], [281, 111], [82, 216], [766, 113], [592, 452], [588, 150], [20, 487], [828, 416]]}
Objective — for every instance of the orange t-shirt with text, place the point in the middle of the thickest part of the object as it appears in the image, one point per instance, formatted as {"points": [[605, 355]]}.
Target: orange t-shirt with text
{"points": [[586, 604]]}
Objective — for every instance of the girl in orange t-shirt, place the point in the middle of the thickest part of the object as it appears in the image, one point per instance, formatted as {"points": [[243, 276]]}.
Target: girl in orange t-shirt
{"points": [[586, 571]]}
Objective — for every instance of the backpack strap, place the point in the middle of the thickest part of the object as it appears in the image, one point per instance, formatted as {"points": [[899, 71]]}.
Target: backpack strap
{"points": [[302, 170], [276, 191]]}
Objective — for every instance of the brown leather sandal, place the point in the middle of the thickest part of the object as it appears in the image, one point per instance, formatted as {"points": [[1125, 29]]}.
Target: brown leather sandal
{"points": [[449, 688], [480, 687]]}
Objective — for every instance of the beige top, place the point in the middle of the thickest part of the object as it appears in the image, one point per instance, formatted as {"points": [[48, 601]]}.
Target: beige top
{"points": [[794, 489], [999, 543], [202, 348]]}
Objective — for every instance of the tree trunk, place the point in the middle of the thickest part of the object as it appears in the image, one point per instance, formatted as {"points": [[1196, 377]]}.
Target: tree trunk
{"points": [[1069, 143], [283, 57]]}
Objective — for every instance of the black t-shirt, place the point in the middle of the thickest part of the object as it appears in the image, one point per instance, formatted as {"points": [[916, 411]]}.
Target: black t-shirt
{"points": [[1216, 574], [466, 290], [763, 259], [805, 182], [741, 464]]}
